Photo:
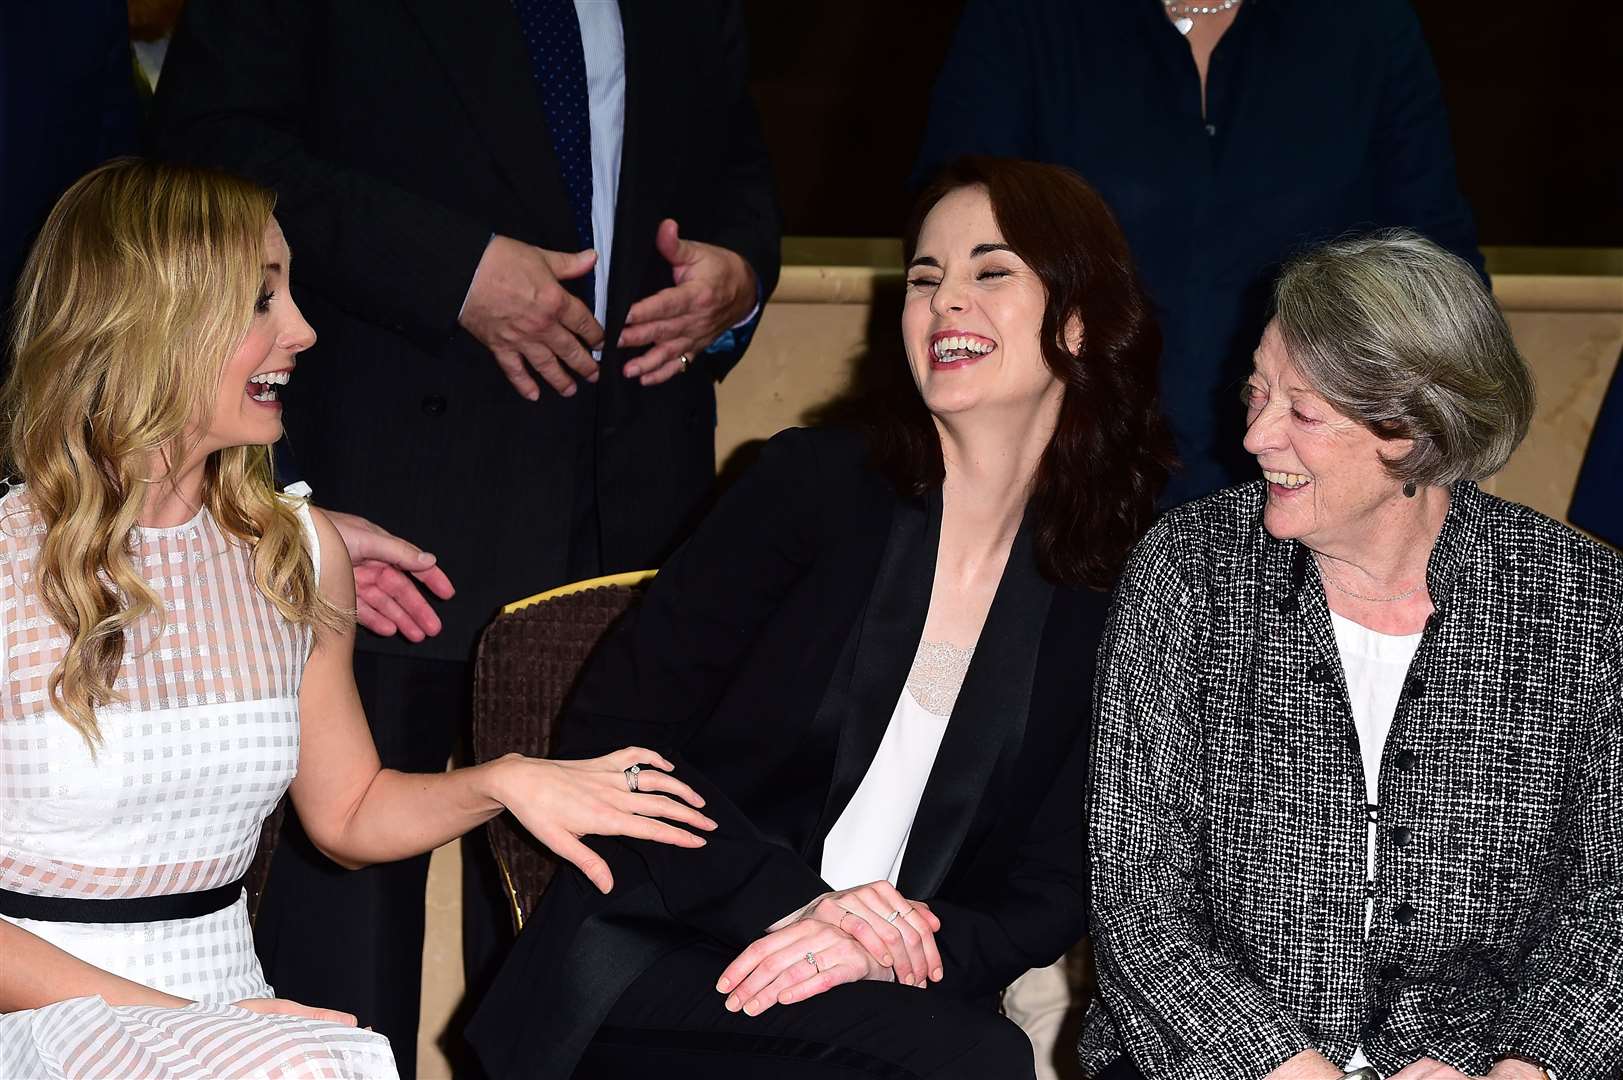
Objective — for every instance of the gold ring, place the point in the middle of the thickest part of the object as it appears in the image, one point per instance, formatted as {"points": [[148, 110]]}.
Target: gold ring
{"points": [[811, 958], [685, 361]]}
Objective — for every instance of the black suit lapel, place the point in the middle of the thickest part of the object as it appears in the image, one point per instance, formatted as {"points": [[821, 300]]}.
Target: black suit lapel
{"points": [[988, 722], [880, 652], [485, 60]]}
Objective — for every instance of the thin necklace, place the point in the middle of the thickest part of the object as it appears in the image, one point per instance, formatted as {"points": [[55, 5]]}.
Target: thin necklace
{"points": [[1334, 584], [1181, 12]]}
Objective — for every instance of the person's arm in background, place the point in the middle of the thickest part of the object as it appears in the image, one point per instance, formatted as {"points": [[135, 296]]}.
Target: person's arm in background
{"points": [[1416, 186], [721, 283], [972, 115], [1183, 1009], [1567, 1013], [665, 667]]}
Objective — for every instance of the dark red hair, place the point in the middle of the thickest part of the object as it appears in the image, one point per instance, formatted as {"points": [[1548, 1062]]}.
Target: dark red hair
{"points": [[1096, 485]]}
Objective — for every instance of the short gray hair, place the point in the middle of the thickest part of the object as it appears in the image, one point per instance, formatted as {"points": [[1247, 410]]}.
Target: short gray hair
{"points": [[1403, 337]]}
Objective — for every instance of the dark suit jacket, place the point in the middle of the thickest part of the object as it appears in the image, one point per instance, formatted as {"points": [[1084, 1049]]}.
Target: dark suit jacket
{"points": [[765, 662], [67, 103], [398, 137], [1598, 503]]}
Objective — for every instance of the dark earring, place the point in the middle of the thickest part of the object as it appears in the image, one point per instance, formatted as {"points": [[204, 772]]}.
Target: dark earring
{"points": [[1409, 490]]}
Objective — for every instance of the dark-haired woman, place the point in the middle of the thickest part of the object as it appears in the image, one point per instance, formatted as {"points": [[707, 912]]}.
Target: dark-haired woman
{"points": [[874, 662]]}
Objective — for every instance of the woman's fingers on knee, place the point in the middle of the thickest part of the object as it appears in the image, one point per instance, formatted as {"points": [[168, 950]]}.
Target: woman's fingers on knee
{"points": [[932, 952], [930, 916], [895, 949], [828, 979]]}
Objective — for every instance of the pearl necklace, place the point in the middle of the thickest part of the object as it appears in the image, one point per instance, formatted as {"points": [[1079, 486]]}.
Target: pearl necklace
{"points": [[1181, 11]]}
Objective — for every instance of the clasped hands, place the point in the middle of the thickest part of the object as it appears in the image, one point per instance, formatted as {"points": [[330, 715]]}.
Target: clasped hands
{"points": [[870, 932], [517, 308]]}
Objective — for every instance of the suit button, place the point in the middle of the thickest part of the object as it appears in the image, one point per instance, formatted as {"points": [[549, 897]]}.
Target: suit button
{"points": [[1404, 914], [1319, 673], [1400, 835], [1390, 972], [1415, 687], [1406, 760], [434, 405]]}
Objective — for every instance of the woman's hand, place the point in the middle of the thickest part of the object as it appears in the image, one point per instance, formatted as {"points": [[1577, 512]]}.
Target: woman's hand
{"points": [[561, 801], [1429, 1069], [799, 961], [284, 1007], [897, 932]]}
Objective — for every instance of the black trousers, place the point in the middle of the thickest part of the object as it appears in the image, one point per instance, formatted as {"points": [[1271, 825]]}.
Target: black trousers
{"points": [[671, 1024], [353, 939]]}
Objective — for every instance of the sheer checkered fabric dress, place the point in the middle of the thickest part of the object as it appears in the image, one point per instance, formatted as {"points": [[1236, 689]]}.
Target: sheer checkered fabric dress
{"points": [[203, 744]]}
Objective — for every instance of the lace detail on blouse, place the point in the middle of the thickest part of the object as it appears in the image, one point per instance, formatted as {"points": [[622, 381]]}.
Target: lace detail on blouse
{"points": [[937, 675]]}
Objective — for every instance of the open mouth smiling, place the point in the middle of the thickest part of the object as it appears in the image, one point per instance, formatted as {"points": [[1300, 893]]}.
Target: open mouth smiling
{"points": [[950, 349], [263, 388]]}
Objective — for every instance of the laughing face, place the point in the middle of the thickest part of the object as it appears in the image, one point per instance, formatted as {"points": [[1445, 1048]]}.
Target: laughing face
{"points": [[246, 408], [973, 313], [1327, 485]]}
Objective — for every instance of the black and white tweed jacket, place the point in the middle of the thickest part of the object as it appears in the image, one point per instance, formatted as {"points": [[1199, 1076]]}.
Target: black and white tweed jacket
{"points": [[1228, 817]]}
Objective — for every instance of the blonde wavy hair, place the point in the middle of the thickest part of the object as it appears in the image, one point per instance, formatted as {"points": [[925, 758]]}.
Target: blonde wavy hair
{"points": [[142, 283]]}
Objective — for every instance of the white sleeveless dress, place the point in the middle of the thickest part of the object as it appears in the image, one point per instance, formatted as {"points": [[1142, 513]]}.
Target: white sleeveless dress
{"points": [[196, 755]]}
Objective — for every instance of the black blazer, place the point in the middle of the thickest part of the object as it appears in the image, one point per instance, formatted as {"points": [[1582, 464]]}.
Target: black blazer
{"points": [[399, 137], [765, 661]]}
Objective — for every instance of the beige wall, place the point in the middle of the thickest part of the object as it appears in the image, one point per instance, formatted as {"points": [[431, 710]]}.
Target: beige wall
{"points": [[1569, 326]]}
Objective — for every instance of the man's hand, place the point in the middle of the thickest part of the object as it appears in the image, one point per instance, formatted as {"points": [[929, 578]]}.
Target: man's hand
{"points": [[714, 289], [518, 311], [385, 598]]}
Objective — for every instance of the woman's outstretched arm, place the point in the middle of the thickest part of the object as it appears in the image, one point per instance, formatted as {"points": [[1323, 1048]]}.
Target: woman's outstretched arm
{"points": [[358, 812]]}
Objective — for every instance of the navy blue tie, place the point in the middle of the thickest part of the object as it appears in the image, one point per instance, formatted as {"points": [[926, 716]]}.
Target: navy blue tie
{"points": [[558, 61]]}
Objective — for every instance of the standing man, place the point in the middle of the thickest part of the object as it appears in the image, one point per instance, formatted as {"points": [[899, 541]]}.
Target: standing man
{"points": [[531, 234]]}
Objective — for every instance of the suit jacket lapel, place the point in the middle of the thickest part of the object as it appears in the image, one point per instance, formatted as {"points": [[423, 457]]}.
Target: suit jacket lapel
{"points": [[485, 60], [988, 722], [880, 652]]}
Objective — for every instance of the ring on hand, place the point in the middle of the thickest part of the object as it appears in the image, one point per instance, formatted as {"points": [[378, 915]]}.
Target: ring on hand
{"points": [[839, 923], [811, 958], [897, 914], [685, 361], [631, 778]]}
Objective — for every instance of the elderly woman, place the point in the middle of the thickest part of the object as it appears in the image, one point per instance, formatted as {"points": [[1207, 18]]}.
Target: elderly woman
{"points": [[1358, 795], [874, 662]]}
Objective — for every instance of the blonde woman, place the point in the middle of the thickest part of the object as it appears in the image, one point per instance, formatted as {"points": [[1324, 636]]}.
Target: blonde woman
{"points": [[175, 644]]}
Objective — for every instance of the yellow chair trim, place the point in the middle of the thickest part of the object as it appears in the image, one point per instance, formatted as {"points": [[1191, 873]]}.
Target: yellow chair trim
{"points": [[630, 577]]}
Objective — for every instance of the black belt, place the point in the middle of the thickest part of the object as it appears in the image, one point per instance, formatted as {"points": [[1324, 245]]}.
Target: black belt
{"points": [[132, 909]]}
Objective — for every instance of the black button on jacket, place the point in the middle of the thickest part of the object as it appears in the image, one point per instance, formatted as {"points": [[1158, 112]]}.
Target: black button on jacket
{"points": [[1228, 827]]}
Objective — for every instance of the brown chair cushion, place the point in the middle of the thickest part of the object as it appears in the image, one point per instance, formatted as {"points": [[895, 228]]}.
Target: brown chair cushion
{"points": [[527, 664]]}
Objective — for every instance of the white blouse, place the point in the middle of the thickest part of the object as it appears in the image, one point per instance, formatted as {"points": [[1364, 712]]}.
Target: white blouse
{"points": [[868, 841], [1375, 665]]}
